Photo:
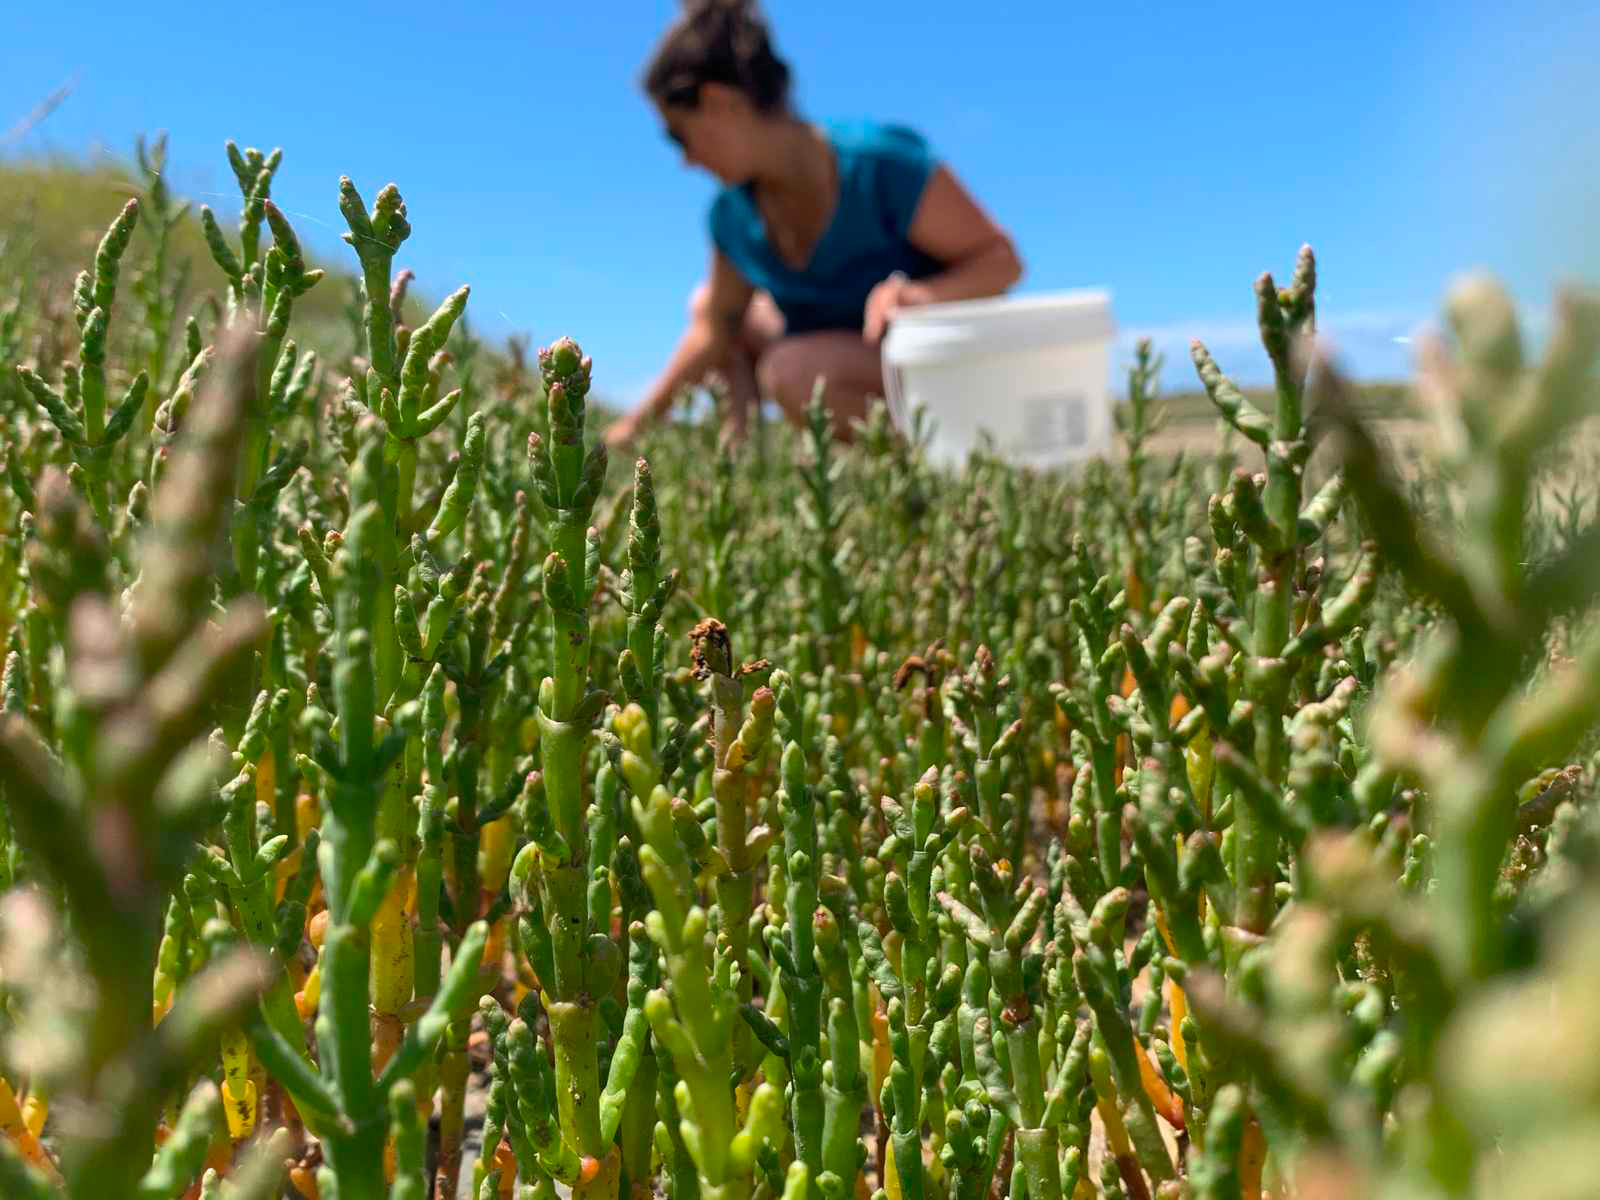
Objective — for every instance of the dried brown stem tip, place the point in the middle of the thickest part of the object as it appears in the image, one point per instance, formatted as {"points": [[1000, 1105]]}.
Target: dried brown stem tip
{"points": [[711, 649]]}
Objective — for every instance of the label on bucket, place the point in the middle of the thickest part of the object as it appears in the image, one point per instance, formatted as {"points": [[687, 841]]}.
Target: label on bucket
{"points": [[1055, 422]]}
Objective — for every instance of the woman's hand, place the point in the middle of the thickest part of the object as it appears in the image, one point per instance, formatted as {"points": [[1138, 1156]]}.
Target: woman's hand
{"points": [[619, 435], [894, 293]]}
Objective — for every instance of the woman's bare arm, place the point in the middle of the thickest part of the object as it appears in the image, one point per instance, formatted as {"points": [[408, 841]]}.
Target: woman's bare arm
{"points": [[715, 320], [950, 227]]}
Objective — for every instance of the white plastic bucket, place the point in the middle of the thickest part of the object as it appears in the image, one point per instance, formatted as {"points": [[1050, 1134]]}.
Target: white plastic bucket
{"points": [[1031, 371]]}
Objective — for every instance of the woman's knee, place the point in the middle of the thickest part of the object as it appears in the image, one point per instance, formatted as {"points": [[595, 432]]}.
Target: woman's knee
{"points": [[786, 372], [760, 325], [790, 369], [700, 302]]}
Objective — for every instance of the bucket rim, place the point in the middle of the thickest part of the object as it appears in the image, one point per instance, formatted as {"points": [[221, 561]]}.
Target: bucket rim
{"points": [[1000, 324], [999, 307]]}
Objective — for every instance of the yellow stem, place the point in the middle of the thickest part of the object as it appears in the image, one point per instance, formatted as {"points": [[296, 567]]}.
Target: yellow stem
{"points": [[1167, 1105], [1252, 1160], [15, 1128], [35, 1110]]}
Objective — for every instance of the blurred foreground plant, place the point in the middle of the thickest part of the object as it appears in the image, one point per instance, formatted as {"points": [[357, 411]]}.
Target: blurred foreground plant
{"points": [[1126, 833]]}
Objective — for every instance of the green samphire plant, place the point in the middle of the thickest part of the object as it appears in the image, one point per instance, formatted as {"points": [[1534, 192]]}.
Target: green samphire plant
{"points": [[1217, 825]]}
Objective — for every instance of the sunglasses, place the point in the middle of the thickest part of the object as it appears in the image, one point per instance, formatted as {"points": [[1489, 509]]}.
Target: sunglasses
{"points": [[682, 96]]}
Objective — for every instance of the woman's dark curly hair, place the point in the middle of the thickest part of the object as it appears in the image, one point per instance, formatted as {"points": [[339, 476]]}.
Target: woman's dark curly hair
{"points": [[718, 41]]}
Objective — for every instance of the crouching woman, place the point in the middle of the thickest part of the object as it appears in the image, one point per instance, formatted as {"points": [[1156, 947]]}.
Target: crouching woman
{"points": [[821, 232]]}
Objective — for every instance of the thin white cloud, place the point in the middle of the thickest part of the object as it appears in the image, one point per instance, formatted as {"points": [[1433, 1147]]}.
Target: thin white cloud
{"points": [[1377, 344], [1370, 343]]}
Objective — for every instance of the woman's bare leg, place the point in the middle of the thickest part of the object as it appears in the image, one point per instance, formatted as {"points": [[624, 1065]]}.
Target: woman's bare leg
{"points": [[851, 370], [763, 326]]}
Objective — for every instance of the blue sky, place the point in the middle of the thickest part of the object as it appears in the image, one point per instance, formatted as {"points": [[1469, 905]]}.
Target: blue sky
{"points": [[1168, 152]]}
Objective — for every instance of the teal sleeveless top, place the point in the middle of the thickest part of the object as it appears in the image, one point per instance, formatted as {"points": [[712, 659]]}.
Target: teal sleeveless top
{"points": [[882, 172]]}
